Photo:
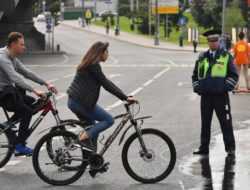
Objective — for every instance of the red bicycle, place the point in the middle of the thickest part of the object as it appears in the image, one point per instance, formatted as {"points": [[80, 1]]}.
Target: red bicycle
{"points": [[9, 129]]}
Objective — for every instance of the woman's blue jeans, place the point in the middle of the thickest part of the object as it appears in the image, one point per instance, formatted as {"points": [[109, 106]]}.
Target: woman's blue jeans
{"points": [[98, 117]]}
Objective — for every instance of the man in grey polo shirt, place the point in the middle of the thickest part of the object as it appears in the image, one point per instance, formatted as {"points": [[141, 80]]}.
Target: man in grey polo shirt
{"points": [[13, 87]]}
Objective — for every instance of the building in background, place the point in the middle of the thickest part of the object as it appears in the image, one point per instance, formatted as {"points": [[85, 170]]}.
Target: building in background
{"points": [[74, 8]]}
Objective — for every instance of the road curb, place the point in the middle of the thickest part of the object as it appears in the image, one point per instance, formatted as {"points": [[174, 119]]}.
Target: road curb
{"points": [[134, 43]]}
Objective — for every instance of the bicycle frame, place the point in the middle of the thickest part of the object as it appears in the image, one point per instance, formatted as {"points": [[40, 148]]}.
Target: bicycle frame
{"points": [[125, 118], [45, 110], [50, 106]]}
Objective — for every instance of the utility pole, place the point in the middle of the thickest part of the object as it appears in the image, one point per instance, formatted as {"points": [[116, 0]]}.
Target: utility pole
{"points": [[95, 9], [149, 16], [83, 13], [44, 6], [117, 28], [156, 24]]}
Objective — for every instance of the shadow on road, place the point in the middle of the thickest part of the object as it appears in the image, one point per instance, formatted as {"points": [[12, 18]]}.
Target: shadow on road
{"points": [[229, 173]]}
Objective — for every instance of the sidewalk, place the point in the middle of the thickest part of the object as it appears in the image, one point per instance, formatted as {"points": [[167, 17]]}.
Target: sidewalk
{"points": [[130, 38], [219, 171]]}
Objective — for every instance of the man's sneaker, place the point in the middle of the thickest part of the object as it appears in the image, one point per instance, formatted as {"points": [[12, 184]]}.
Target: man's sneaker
{"points": [[21, 149]]}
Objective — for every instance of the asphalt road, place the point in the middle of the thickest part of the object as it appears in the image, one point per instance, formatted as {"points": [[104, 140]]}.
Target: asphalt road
{"points": [[160, 80]]}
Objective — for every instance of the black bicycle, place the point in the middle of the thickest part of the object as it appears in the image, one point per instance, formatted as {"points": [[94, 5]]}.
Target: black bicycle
{"points": [[148, 155], [9, 129]]}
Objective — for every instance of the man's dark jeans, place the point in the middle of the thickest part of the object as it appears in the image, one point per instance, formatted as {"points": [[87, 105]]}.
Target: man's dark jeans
{"points": [[19, 103]]}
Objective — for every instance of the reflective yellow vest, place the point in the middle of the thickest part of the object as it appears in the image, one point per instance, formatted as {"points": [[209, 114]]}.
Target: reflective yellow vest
{"points": [[219, 69]]}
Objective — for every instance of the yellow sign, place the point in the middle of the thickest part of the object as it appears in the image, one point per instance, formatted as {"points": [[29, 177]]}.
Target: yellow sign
{"points": [[166, 10], [166, 6]]}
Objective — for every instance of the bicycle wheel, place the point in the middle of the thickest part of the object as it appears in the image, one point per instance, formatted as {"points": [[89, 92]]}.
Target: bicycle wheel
{"points": [[66, 154], [154, 166], [6, 146]]}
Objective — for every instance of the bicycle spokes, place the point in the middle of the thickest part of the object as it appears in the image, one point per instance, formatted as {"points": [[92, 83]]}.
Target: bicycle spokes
{"points": [[151, 162], [65, 161]]}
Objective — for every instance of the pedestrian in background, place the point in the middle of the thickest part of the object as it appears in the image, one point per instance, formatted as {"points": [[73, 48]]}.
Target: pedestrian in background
{"points": [[241, 56], [195, 44], [213, 77], [107, 26]]}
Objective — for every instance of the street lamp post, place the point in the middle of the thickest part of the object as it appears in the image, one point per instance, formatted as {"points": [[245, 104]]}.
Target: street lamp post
{"points": [[83, 12], [117, 28], [156, 24], [149, 16], [44, 6]]}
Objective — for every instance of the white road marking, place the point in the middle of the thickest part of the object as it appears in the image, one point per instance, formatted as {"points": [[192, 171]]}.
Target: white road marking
{"points": [[182, 185], [148, 82], [158, 75], [112, 106], [139, 89], [66, 59], [68, 76], [60, 96], [13, 162], [246, 122], [192, 97], [183, 83], [114, 60], [180, 84], [136, 91], [114, 76], [172, 63], [53, 80]]}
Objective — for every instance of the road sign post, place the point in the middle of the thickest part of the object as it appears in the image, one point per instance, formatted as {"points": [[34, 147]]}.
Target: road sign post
{"points": [[163, 7], [156, 23]]}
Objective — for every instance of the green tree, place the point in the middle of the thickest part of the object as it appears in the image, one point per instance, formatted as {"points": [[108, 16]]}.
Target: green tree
{"points": [[53, 6], [207, 13], [233, 16]]}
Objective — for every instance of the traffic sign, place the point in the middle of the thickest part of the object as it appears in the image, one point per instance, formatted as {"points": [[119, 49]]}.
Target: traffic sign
{"points": [[49, 24], [182, 21], [166, 6]]}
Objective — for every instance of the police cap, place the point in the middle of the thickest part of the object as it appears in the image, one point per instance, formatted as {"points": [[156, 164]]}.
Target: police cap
{"points": [[212, 35]]}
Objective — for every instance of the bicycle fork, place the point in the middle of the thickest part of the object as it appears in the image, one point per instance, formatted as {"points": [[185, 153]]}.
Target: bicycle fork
{"points": [[144, 152]]}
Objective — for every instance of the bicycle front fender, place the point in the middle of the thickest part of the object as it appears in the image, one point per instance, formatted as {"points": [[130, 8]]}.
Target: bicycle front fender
{"points": [[125, 132]]}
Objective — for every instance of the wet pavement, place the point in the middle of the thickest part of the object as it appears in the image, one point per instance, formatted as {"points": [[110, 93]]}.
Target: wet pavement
{"points": [[218, 171]]}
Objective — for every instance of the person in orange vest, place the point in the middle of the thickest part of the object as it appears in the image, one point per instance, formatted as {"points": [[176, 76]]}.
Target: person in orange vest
{"points": [[241, 55]]}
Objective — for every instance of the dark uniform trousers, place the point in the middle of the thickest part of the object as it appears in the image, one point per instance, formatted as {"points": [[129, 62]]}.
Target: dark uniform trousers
{"points": [[221, 105]]}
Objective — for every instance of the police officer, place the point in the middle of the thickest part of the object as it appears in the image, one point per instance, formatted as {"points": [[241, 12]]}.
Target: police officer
{"points": [[213, 77]]}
